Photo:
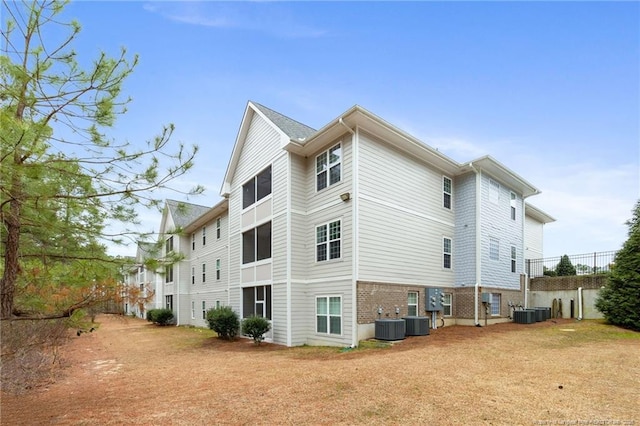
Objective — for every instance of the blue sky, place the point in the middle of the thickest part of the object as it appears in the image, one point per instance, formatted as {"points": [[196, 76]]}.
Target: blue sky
{"points": [[551, 90]]}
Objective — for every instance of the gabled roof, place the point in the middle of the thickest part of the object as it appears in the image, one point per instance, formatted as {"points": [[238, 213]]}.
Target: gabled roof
{"points": [[292, 128], [537, 214], [184, 213], [288, 129], [502, 173], [207, 216]]}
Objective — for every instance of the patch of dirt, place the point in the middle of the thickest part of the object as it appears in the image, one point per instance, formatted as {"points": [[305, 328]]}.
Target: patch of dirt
{"points": [[131, 372]]}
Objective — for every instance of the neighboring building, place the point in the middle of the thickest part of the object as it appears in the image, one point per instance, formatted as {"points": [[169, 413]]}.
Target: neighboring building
{"points": [[140, 292], [320, 231]]}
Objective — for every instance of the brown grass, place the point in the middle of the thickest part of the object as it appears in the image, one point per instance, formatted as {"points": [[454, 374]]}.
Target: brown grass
{"points": [[131, 372]]}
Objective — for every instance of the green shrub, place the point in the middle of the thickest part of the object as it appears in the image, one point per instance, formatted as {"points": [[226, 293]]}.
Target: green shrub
{"points": [[151, 314], [255, 327], [224, 321], [160, 316]]}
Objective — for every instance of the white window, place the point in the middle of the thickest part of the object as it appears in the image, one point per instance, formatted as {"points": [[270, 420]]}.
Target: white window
{"points": [[169, 245], [217, 304], [446, 304], [257, 188], [328, 241], [328, 167], [412, 304], [513, 206], [168, 274], [218, 228], [218, 269], [204, 310], [446, 192], [494, 191], [256, 243], [494, 249], [513, 259], [193, 275], [193, 309], [495, 304], [204, 235], [204, 272], [193, 241], [256, 301], [329, 315], [446, 253]]}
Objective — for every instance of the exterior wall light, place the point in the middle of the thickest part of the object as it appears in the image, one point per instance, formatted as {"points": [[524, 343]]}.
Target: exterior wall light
{"points": [[345, 197]]}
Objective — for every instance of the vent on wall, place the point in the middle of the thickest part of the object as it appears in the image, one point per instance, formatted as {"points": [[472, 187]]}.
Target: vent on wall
{"points": [[390, 329]]}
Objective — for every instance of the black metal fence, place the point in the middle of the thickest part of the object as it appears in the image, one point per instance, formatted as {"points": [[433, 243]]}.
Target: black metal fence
{"points": [[585, 264]]}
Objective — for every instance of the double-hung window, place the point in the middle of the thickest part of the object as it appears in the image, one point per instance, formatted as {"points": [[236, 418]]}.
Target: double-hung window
{"points": [[204, 272], [218, 269], [513, 259], [329, 315], [446, 192], [193, 309], [168, 274], [446, 304], [256, 188], [204, 235], [328, 241], [446, 253], [494, 249], [513, 206], [193, 275], [204, 310], [218, 228], [412, 304], [256, 243], [193, 241], [328, 167], [495, 304]]}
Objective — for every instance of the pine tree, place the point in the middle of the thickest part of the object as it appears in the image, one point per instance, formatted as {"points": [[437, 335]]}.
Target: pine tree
{"points": [[565, 267], [62, 179], [619, 301]]}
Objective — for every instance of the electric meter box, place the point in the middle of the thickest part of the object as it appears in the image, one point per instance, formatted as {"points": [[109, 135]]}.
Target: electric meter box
{"points": [[486, 297], [434, 299]]}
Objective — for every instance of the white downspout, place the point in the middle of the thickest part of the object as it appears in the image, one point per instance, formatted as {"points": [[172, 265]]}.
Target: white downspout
{"points": [[354, 232], [579, 303], [478, 244]]}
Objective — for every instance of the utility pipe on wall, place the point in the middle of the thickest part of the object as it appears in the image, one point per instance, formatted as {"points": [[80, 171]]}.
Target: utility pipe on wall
{"points": [[478, 242], [579, 303]]}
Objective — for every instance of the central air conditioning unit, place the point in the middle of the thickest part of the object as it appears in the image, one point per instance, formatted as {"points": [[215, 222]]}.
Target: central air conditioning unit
{"points": [[416, 326], [390, 329], [525, 316]]}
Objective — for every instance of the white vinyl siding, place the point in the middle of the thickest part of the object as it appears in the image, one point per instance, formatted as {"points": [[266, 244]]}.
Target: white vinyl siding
{"points": [[494, 192], [400, 233]]}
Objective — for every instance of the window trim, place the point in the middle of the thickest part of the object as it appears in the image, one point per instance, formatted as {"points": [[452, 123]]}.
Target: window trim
{"points": [[445, 193], [193, 275], [169, 245], [412, 305], [447, 303], [495, 305], [193, 241], [497, 249], [328, 166], [328, 315], [168, 274], [218, 227], [513, 203], [328, 241], [204, 309], [204, 235], [218, 269], [445, 253], [255, 238], [514, 259], [253, 183], [204, 272], [266, 302], [193, 309]]}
